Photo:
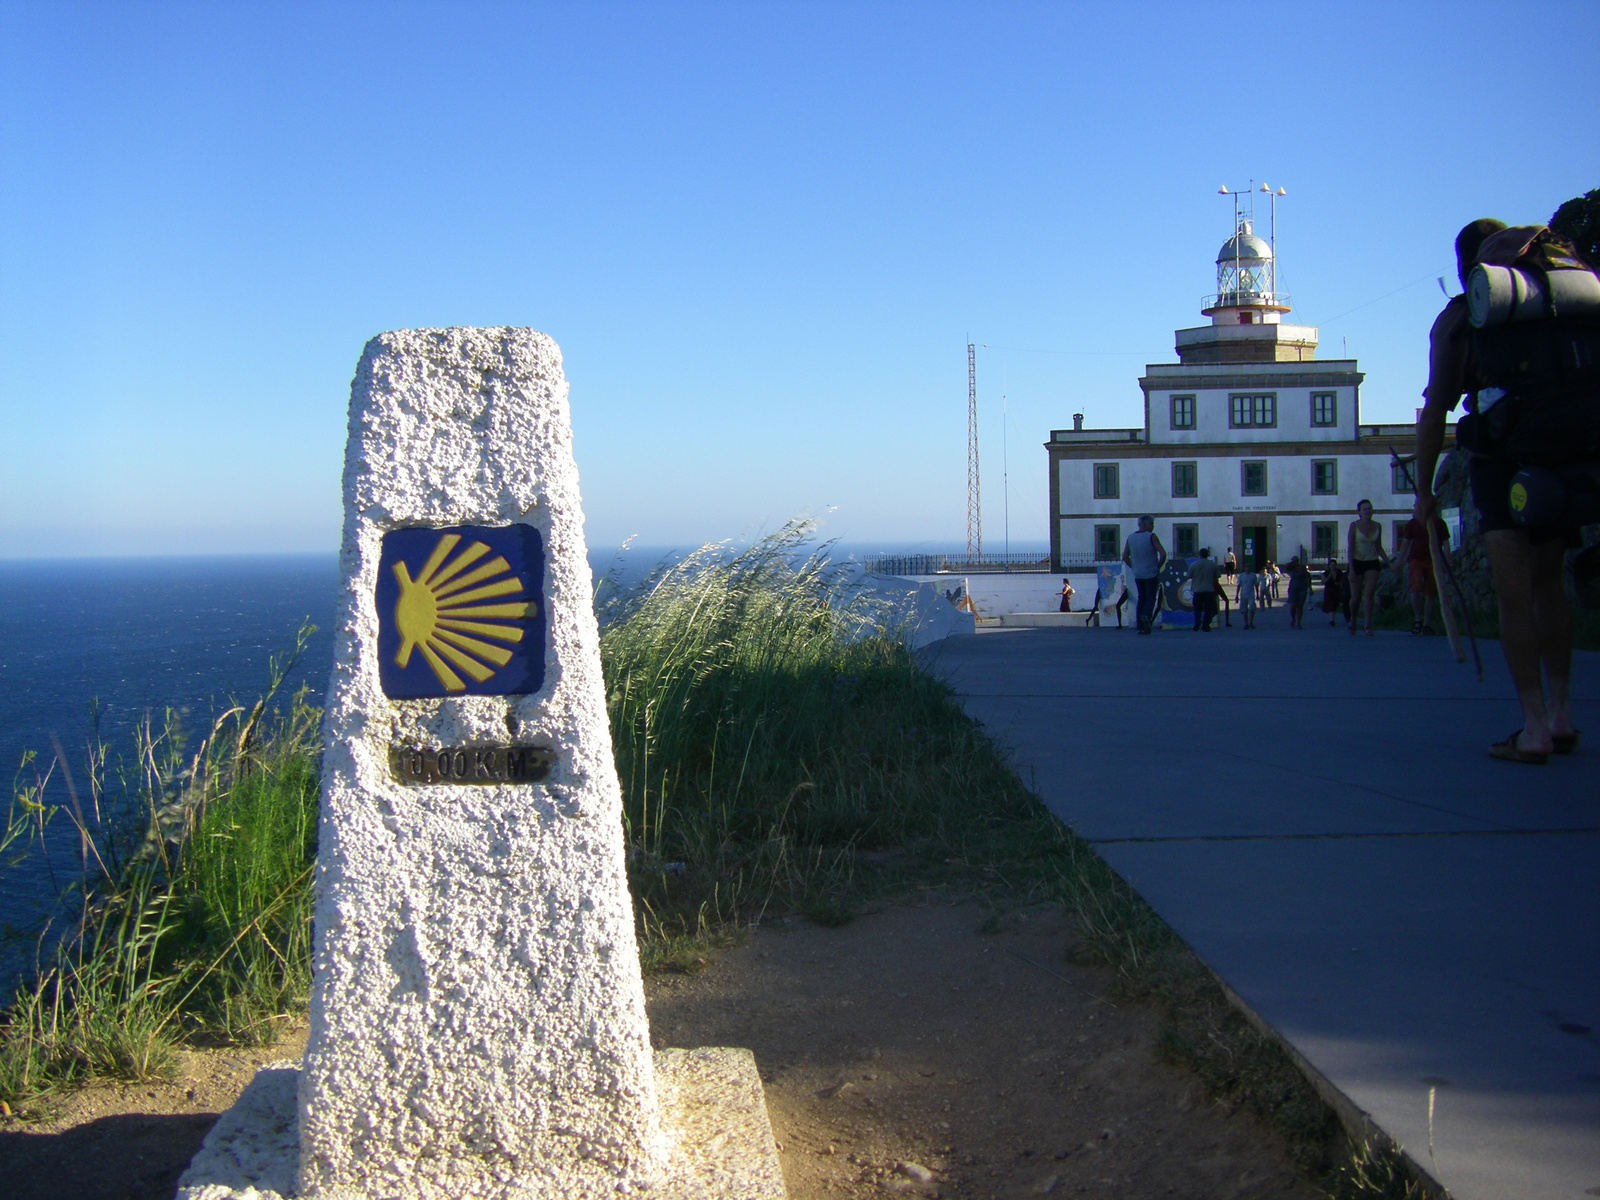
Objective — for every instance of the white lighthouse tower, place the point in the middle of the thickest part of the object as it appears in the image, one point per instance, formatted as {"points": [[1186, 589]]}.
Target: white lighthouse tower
{"points": [[1247, 308]]}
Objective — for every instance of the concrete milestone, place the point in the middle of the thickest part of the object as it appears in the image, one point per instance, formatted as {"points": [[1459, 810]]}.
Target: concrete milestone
{"points": [[477, 1014]]}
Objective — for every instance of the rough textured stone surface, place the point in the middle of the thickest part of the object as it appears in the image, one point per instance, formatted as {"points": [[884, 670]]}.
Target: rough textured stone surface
{"points": [[713, 1111], [716, 1116], [477, 1017], [251, 1152]]}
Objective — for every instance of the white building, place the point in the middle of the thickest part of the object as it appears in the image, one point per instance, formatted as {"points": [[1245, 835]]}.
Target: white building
{"points": [[1248, 440]]}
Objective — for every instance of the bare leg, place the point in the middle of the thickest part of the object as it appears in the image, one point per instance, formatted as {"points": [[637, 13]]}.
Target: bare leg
{"points": [[1419, 607], [1555, 632], [1369, 596], [1511, 559]]}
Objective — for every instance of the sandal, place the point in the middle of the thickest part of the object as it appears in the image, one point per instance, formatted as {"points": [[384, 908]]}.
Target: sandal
{"points": [[1509, 751], [1416, 628], [1565, 743]]}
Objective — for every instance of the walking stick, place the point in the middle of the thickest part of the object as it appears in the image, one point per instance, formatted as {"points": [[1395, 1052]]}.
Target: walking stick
{"points": [[1442, 571]]}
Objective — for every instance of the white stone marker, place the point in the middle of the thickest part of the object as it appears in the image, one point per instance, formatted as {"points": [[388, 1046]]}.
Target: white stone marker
{"points": [[477, 1014]]}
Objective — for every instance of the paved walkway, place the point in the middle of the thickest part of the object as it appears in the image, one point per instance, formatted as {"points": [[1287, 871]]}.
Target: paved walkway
{"points": [[1314, 813]]}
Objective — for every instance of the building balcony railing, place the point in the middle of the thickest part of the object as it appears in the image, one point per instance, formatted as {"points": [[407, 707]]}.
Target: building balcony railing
{"points": [[1245, 300]]}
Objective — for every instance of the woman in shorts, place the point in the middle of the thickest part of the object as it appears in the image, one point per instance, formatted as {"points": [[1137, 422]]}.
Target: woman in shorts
{"points": [[1299, 592], [1367, 558]]}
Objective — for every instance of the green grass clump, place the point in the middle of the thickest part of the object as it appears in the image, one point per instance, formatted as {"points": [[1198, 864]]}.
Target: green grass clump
{"points": [[777, 751], [197, 926]]}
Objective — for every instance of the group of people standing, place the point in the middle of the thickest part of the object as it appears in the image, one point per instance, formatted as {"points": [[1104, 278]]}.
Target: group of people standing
{"points": [[1253, 589], [1352, 592], [1145, 555]]}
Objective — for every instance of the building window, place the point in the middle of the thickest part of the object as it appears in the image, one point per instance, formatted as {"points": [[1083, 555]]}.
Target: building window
{"points": [[1186, 540], [1183, 412], [1324, 408], [1325, 476], [1403, 477], [1106, 484], [1325, 539], [1253, 411], [1185, 477], [1107, 543], [1253, 479]]}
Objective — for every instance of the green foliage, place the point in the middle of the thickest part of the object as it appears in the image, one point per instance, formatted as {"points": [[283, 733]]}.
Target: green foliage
{"points": [[198, 929], [769, 738], [1578, 220]]}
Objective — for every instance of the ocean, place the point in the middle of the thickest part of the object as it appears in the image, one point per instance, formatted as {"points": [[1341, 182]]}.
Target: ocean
{"points": [[136, 635], [145, 635]]}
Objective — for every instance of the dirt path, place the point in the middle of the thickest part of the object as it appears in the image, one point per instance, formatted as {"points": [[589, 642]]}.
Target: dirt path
{"points": [[910, 1037], [983, 1062]]}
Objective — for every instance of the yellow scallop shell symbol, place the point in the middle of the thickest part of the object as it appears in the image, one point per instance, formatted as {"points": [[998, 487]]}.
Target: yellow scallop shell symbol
{"points": [[1519, 497], [441, 610]]}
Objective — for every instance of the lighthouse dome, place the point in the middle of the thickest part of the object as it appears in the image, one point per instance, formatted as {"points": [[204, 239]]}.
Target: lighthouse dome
{"points": [[1245, 248]]}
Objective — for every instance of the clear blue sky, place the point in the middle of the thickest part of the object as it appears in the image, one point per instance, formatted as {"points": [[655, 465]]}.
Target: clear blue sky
{"points": [[761, 234]]}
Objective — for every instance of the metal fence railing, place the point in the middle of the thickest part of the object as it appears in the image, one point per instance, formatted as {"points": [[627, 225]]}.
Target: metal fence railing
{"points": [[954, 564]]}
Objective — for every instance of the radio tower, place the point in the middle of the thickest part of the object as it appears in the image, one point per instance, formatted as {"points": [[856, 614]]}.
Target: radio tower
{"points": [[974, 508]]}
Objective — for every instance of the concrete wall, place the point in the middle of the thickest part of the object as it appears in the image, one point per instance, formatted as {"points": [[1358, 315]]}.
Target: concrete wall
{"points": [[1212, 411], [1146, 487], [1031, 592]]}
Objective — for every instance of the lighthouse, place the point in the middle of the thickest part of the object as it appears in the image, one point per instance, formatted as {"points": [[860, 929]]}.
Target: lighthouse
{"points": [[1247, 309], [1248, 440]]}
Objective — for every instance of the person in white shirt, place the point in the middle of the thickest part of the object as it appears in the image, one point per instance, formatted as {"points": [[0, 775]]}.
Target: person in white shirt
{"points": [[1249, 585]]}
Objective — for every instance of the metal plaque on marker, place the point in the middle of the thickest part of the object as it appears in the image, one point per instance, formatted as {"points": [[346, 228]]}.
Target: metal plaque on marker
{"points": [[417, 765]]}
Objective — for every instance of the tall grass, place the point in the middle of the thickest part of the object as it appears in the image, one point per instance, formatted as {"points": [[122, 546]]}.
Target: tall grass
{"points": [[189, 918], [777, 749]]}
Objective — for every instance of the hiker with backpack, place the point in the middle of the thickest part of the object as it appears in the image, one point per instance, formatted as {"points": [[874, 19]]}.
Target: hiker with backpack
{"points": [[1522, 342]]}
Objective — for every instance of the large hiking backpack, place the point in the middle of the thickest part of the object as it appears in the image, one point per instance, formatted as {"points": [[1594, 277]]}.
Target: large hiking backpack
{"points": [[1534, 306]]}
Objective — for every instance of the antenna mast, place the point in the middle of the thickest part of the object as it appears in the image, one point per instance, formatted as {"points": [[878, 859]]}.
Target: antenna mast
{"points": [[974, 509]]}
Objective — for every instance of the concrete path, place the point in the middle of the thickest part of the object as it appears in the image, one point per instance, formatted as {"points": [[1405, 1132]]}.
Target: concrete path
{"points": [[1315, 814]]}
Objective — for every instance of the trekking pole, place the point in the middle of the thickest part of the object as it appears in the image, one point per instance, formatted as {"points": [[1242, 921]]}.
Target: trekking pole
{"points": [[1445, 608], [1443, 571]]}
